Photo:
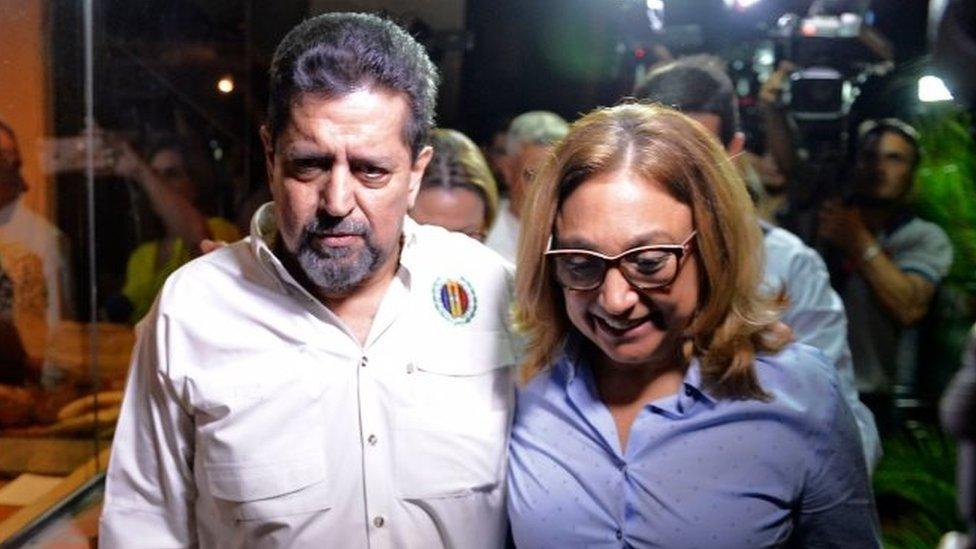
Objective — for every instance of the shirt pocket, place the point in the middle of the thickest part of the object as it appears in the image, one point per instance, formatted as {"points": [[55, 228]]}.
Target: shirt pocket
{"points": [[453, 441], [263, 408], [261, 491], [261, 433]]}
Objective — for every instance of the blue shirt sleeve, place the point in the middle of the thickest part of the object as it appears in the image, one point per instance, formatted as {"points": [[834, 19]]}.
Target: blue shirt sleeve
{"points": [[837, 509], [816, 315]]}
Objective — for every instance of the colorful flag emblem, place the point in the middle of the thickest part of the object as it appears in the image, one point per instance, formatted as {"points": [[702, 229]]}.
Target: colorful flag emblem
{"points": [[454, 298]]}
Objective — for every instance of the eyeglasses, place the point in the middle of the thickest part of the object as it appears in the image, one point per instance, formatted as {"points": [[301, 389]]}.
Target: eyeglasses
{"points": [[645, 267]]}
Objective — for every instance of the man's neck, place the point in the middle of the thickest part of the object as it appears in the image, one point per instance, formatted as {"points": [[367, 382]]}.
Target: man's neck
{"points": [[356, 309]]}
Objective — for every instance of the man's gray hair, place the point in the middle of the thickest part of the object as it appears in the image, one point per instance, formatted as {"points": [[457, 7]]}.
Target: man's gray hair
{"points": [[535, 128]]}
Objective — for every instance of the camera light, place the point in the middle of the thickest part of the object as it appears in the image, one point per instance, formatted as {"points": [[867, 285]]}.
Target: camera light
{"points": [[932, 89], [655, 14], [225, 84], [741, 5]]}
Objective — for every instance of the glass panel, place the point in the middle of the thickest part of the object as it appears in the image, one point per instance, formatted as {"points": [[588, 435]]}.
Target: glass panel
{"points": [[48, 419]]}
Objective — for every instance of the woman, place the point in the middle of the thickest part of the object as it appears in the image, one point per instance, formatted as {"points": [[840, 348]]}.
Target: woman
{"points": [[173, 195], [664, 405], [457, 191]]}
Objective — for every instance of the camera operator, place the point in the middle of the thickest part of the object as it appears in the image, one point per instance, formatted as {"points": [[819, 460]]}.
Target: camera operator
{"points": [[893, 261]]}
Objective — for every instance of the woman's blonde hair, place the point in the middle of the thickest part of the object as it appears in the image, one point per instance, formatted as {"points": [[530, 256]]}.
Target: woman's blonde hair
{"points": [[734, 320], [458, 162]]}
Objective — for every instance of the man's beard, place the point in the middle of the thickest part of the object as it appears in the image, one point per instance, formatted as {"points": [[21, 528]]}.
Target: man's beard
{"points": [[337, 270]]}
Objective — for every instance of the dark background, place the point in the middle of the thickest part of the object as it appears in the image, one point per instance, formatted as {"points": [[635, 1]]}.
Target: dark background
{"points": [[157, 62]]}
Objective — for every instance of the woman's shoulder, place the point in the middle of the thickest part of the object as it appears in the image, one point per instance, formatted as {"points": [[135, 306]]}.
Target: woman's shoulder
{"points": [[800, 378], [551, 383]]}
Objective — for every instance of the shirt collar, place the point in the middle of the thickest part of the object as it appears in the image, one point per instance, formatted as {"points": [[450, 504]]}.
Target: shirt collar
{"points": [[264, 235], [692, 391]]}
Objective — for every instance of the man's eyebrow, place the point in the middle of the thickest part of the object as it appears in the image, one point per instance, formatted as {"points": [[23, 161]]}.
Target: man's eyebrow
{"points": [[374, 160], [308, 158]]}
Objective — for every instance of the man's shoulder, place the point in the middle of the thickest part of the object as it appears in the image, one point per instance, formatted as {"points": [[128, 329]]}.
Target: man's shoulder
{"points": [[918, 231], [34, 224], [779, 242], [209, 277], [787, 257]]}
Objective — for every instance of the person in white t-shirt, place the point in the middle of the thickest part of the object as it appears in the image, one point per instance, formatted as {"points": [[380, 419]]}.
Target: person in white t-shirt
{"points": [[26, 235], [342, 377]]}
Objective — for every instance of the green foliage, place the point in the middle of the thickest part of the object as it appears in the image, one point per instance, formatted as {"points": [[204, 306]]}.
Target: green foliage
{"points": [[914, 487], [946, 185]]}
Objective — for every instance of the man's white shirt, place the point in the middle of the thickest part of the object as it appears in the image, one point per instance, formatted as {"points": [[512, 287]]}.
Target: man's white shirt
{"points": [[253, 418], [816, 314], [504, 234]]}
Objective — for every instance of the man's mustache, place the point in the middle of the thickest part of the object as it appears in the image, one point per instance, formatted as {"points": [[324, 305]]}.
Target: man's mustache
{"points": [[328, 225]]}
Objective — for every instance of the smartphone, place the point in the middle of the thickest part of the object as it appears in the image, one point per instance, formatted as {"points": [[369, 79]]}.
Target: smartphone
{"points": [[70, 154]]}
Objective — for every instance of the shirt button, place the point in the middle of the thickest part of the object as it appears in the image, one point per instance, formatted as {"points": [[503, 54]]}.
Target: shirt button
{"points": [[379, 521], [409, 368], [619, 534], [688, 391], [372, 440]]}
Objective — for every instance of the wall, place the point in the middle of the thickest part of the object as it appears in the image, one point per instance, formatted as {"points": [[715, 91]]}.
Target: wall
{"points": [[24, 100]]}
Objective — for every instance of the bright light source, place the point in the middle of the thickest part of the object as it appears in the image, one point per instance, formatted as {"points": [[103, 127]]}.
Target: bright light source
{"points": [[655, 14], [932, 89], [741, 5], [225, 84]]}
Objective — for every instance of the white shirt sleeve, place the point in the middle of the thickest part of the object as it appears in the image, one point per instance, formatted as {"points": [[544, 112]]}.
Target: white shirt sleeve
{"points": [[149, 491]]}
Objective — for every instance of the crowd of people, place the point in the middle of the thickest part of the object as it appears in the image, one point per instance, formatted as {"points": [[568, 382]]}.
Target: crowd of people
{"points": [[595, 336]]}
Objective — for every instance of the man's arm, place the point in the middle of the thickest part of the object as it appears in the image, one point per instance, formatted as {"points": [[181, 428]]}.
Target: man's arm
{"points": [[149, 492], [780, 141], [904, 295], [903, 285]]}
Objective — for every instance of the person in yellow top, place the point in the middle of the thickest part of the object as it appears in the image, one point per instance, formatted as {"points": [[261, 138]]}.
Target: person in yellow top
{"points": [[173, 195]]}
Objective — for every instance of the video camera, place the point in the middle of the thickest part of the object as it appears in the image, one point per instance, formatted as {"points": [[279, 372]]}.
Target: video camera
{"points": [[835, 49]]}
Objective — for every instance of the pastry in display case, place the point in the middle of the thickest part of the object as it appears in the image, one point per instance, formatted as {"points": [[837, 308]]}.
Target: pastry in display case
{"points": [[57, 410]]}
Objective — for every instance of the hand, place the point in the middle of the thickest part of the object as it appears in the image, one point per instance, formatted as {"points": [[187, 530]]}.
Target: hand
{"points": [[772, 88], [843, 227], [207, 245], [128, 164], [769, 173]]}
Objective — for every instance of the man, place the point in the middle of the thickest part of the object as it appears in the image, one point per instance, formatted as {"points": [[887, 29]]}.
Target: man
{"points": [[340, 378], [700, 88], [893, 260], [26, 238], [528, 141]]}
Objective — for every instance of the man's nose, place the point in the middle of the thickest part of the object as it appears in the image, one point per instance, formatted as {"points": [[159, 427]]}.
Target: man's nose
{"points": [[337, 196], [617, 295]]}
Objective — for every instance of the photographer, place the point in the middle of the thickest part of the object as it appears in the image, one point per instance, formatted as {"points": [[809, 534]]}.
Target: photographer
{"points": [[893, 261]]}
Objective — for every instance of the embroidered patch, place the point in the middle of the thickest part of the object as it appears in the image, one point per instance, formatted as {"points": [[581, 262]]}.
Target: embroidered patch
{"points": [[455, 300]]}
